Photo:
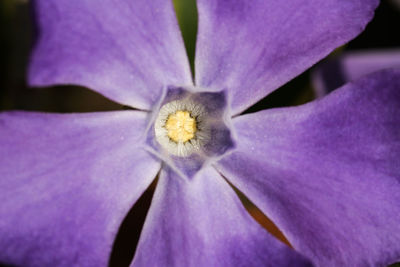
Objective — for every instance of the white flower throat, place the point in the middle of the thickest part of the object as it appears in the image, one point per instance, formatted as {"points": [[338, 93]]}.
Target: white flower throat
{"points": [[181, 127]]}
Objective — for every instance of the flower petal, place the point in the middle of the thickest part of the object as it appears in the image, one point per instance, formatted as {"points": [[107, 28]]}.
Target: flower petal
{"points": [[351, 66], [125, 50], [66, 184], [327, 173], [201, 222], [253, 47]]}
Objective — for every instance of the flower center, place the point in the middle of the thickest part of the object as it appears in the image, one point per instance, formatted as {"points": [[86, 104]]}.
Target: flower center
{"points": [[181, 127], [189, 129]]}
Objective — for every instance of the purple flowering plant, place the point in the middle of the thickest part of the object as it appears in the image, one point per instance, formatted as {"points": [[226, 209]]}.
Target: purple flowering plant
{"points": [[327, 172]]}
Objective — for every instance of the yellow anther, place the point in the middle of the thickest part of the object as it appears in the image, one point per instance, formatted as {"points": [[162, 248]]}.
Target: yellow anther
{"points": [[181, 126]]}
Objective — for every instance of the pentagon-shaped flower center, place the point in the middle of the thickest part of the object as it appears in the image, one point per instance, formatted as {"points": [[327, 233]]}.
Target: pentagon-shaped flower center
{"points": [[181, 126], [189, 128]]}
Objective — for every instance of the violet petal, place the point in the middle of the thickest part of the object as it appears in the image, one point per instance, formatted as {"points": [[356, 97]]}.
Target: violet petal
{"points": [[201, 222], [125, 50], [66, 184], [253, 47], [328, 173], [351, 66]]}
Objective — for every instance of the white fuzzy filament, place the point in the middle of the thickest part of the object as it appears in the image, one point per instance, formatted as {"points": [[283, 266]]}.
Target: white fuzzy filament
{"points": [[201, 135]]}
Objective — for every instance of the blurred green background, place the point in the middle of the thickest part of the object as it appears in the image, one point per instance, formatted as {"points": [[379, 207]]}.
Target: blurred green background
{"points": [[16, 40]]}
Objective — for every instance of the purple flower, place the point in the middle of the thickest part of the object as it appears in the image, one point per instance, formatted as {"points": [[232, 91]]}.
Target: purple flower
{"points": [[326, 173]]}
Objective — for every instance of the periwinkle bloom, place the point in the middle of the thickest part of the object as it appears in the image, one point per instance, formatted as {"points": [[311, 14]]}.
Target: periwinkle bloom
{"points": [[326, 173]]}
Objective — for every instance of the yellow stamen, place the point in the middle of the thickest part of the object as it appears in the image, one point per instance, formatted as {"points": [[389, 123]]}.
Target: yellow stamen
{"points": [[181, 126]]}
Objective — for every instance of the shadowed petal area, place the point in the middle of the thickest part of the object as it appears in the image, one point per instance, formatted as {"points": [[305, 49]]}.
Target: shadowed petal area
{"points": [[125, 50], [66, 184], [201, 222], [253, 47], [350, 66], [327, 173]]}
